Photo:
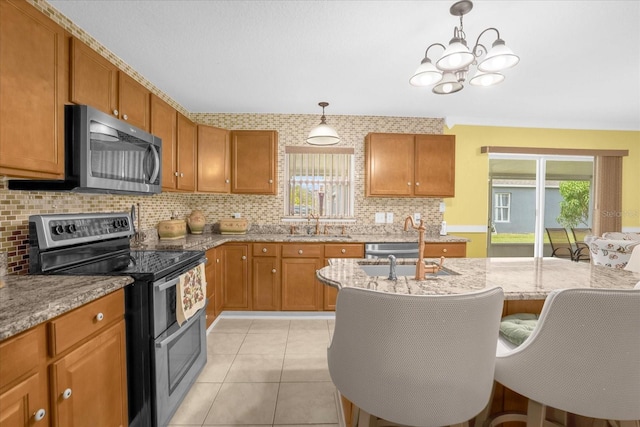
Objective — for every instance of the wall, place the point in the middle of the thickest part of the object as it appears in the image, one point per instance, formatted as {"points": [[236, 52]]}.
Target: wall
{"points": [[466, 214]]}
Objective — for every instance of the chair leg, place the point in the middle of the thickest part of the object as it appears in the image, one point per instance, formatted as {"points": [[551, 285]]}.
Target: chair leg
{"points": [[365, 419], [535, 414]]}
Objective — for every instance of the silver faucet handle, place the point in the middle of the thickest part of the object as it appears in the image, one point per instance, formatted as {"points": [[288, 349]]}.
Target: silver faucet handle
{"points": [[392, 268]]}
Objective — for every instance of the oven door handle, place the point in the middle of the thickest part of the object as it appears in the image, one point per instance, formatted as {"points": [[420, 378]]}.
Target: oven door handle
{"points": [[195, 318], [168, 284]]}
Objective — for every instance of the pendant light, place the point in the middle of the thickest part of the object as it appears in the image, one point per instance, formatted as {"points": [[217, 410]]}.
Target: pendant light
{"points": [[323, 134]]}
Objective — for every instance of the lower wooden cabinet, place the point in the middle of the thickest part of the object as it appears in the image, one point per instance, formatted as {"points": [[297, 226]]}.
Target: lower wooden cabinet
{"points": [[234, 260], [447, 250], [265, 276], [339, 250], [301, 291], [210, 275]]}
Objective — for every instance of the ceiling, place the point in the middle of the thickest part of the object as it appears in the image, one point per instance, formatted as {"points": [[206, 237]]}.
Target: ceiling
{"points": [[579, 66]]}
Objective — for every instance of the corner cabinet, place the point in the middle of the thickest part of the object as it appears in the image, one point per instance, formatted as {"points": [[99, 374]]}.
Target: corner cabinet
{"points": [[253, 161], [33, 90], [409, 165]]}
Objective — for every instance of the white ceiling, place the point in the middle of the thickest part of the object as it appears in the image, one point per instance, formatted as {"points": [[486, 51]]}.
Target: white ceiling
{"points": [[579, 67]]}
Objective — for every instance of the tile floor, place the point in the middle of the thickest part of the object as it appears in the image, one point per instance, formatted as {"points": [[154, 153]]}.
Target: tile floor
{"points": [[266, 372]]}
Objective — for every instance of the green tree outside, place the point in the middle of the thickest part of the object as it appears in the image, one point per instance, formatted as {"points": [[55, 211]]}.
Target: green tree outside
{"points": [[574, 208]]}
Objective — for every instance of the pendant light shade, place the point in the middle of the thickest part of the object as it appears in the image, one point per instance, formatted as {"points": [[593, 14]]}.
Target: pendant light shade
{"points": [[449, 84], [426, 75], [323, 134], [486, 79], [499, 58], [456, 56]]}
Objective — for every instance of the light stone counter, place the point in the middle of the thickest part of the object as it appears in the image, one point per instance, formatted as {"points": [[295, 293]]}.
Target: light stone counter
{"points": [[28, 300], [520, 278]]}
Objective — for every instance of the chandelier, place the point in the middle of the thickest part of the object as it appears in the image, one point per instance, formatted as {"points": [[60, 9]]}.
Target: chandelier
{"points": [[452, 69], [323, 134]]}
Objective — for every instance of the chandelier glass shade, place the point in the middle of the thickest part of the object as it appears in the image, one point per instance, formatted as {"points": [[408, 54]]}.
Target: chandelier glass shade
{"points": [[451, 70], [323, 134]]}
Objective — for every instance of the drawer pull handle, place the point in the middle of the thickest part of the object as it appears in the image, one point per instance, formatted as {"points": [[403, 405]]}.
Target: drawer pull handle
{"points": [[116, 113], [300, 251], [417, 184], [244, 257], [66, 394], [344, 251], [273, 271], [444, 250], [125, 117], [39, 415], [99, 317], [264, 250], [270, 181]]}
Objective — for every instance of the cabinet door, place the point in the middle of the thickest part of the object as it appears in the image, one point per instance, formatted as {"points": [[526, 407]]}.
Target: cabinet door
{"points": [[33, 90], [210, 274], [338, 250], [389, 165], [265, 273], [186, 154], [235, 276], [219, 291], [213, 160], [163, 125], [94, 80], [24, 404], [435, 165], [89, 385], [133, 102], [300, 288], [253, 161]]}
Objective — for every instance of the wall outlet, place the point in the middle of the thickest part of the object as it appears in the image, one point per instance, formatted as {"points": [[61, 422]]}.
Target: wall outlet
{"points": [[379, 218], [441, 206], [389, 217], [416, 217]]}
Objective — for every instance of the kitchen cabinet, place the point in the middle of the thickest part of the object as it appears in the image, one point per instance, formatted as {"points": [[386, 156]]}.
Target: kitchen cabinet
{"points": [[164, 125], [254, 161], [338, 250], [409, 165], [234, 267], [265, 276], [218, 288], [300, 288], [447, 250], [33, 90], [23, 380], [186, 140], [210, 276], [97, 82], [213, 160]]}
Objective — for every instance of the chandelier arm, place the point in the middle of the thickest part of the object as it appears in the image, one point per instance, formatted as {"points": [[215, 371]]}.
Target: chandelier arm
{"points": [[426, 52], [479, 49]]}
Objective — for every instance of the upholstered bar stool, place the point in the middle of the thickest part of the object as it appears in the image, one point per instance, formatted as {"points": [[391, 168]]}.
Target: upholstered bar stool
{"points": [[582, 358], [415, 360]]}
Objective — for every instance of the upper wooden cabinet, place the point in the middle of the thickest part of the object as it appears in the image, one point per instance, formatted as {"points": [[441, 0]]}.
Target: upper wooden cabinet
{"points": [[33, 91], [213, 160], [97, 82], [253, 161], [186, 148], [164, 125], [408, 165]]}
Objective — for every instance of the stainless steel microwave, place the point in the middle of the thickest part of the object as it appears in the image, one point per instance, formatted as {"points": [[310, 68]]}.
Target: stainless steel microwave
{"points": [[104, 155]]}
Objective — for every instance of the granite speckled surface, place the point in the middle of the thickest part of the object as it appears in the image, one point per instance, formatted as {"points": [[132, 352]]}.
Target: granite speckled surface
{"points": [[28, 300], [520, 278]]}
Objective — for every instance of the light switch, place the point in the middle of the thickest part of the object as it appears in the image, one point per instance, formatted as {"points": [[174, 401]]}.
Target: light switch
{"points": [[441, 206], [416, 217], [389, 217], [379, 218]]}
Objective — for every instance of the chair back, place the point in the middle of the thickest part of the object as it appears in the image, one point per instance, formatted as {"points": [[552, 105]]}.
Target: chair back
{"points": [[416, 360], [560, 243], [582, 249], [584, 355]]}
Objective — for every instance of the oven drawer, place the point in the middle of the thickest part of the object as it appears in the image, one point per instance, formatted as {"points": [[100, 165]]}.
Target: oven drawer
{"points": [[65, 331]]}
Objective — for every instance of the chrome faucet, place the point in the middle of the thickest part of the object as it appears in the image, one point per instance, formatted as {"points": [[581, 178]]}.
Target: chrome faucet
{"points": [[392, 268]]}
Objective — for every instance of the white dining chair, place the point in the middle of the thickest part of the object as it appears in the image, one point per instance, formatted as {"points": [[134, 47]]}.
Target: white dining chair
{"points": [[582, 358], [415, 360], [634, 260]]}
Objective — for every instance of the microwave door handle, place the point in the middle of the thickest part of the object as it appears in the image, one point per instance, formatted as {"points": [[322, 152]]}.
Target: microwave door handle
{"points": [[156, 167]]}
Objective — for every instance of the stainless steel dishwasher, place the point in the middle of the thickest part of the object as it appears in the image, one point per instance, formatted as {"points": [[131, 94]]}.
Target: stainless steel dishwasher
{"points": [[397, 249]]}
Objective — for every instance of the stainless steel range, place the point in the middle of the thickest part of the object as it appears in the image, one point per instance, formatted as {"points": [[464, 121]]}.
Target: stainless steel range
{"points": [[163, 357]]}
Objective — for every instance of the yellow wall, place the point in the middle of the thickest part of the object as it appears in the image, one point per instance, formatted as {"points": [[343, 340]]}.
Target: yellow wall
{"points": [[470, 205]]}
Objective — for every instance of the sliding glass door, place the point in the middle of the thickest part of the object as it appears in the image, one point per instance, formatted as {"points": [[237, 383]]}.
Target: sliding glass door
{"points": [[528, 193]]}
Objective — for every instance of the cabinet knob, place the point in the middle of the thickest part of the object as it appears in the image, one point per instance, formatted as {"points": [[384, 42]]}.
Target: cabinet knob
{"points": [[39, 414], [99, 317], [273, 271], [300, 251], [175, 173], [226, 181], [116, 112], [270, 181], [66, 394], [344, 251], [181, 175], [408, 183], [125, 117], [264, 250], [244, 257], [444, 250], [417, 184], [217, 260]]}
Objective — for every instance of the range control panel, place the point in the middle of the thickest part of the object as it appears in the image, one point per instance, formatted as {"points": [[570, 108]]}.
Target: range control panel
{"points": [[52, 231]]}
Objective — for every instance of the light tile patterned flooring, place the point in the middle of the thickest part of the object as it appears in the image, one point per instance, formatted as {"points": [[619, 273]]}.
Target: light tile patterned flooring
{"points": [[263, 372]]}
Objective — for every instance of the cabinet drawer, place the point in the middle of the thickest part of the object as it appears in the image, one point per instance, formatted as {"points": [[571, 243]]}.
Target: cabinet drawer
{"points": [[348, 250], [73, 327], [21, 354], [265, 249], [297, 250], [449, 250]]}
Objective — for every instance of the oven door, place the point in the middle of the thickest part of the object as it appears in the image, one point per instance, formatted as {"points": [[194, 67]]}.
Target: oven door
{"points": [[180, 355]]}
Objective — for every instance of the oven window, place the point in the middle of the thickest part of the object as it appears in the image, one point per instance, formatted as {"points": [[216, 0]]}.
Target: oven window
{"points": [[182, 353]]}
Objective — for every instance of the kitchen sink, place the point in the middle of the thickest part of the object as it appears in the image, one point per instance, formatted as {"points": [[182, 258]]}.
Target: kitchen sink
{"points": [[401, 270]]}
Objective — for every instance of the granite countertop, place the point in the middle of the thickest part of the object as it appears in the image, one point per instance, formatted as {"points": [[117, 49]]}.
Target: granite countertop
{"points": [[520, 278], [28, 300]]}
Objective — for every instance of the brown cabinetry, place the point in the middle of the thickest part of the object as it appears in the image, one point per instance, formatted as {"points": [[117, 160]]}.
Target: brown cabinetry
{"points": [[253, 161], [97, 82], [300, 288], [265, 276], [447, 250], [234, 267], [186, 154], [409, 165], [338, 250], [33, 91], [210, 275], [213, 160], [163, 125]]}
